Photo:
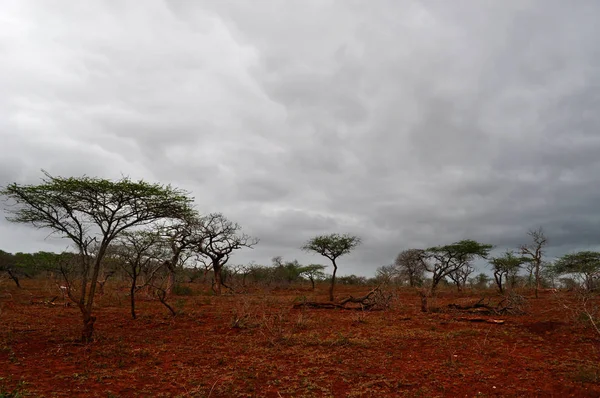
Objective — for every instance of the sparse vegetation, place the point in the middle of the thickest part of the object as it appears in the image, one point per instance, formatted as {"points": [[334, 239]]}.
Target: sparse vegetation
{"points": [[269, 335]]}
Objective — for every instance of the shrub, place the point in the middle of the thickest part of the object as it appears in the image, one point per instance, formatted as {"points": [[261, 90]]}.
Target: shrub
{"points": [[180, 290]]}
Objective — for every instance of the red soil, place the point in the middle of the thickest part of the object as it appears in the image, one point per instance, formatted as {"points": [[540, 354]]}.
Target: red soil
{"points": [[277, 351]]}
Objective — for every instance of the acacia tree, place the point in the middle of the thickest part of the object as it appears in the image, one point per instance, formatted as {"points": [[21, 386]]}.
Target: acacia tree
{"points": [[313, 272], [534, 253], [441, 261], [332, 246], [583, 264], [450, 258], [92, 211], [505, 266], [221, 238], [410, 264]]}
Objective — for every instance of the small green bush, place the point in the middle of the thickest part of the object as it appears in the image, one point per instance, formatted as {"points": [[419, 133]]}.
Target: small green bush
{"points": [[180, 290]]}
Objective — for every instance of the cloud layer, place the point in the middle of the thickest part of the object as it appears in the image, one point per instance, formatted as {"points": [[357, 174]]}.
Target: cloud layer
{"points": [[409, 123]]}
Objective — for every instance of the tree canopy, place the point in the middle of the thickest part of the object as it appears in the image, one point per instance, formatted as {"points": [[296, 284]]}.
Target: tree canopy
{"points": [[504, 266], [92, 212], [451, 258], [332, 246], [585, 264]]}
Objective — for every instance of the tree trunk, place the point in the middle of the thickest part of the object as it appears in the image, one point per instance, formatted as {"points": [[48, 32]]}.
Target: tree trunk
{"points": [[170, 281], [537, 278], [101, 290], [86, 306], [162, 297], [332, 281], [14, 278], [94, 280], [498, 279], [458, 285], [312, 280], [216, 287], [88, 327], [171, 266], [530, 279], [132, 296], [424, 293]]}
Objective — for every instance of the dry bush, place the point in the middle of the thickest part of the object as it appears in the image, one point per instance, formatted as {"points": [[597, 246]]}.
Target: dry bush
{"points": [[585, 308], [275, 327], [511, 303], [242, 315]]}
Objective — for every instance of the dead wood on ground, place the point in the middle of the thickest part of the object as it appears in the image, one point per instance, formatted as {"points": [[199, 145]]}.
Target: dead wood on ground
{"points": [[375, 300], [511, 304]]}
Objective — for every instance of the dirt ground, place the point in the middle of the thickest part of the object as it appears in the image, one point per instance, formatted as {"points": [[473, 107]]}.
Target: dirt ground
{"points": [[256, 345]]}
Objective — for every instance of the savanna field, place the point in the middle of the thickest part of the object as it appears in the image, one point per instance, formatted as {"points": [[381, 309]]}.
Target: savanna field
{"points": [[254, 343]]}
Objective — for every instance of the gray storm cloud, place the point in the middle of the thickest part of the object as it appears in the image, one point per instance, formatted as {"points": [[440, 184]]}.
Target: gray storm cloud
{"points": [[410, 123]]}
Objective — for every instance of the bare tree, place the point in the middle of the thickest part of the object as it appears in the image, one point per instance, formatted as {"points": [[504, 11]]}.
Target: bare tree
{"points": [[534, 252], [221, 238], [139, 252], [387, 274], [181, 237], [460, 276], [410, 264]]}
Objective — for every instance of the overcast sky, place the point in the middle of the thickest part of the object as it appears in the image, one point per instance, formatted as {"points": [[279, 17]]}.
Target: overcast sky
{"points": [[409, 123]]}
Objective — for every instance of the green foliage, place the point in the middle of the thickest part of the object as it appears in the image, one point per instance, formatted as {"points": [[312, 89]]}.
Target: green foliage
{"points": [[92, 212], [587, 373], [506, 266], [480, 281], [17, 392], [507, 263], [73, 206], [332, 246], [461, 252], [181, 290], [287, 271], [352, 280], [312, 271], [454, 258], [583, 264]]}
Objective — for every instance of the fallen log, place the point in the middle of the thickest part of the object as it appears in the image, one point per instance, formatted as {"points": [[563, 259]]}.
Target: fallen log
{"points": [[373, 300], [486, 320], [321, 305], [510, 304]]}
